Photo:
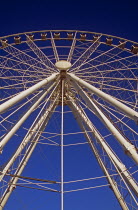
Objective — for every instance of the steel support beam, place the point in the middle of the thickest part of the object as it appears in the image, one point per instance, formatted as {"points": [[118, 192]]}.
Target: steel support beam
{"points": [[6, 105], [100, 161], [108, 98], [27, 138], [112, 156], [127, 146], [14, 129], [28, 153]]}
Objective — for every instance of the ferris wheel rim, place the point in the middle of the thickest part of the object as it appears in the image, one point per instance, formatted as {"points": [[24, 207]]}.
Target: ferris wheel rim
{"points": [[79, 71]]}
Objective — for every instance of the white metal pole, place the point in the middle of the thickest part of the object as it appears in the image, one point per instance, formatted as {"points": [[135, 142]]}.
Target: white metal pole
{"points": [[101, 163], [8, 136], [6, 105], [62, 150], [122, 107], [25, 159], [26, 139], [113, 157], [127, 146]]}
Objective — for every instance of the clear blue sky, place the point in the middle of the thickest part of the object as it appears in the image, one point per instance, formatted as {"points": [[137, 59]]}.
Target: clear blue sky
{"points": [[111, 17]]}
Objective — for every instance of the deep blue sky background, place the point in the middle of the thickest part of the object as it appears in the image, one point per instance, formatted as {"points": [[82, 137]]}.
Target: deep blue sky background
{"points": [[111, 17], [118, 18]]}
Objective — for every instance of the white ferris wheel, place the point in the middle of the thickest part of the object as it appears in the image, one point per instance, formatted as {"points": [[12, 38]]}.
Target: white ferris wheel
{"points": [[68, 118]]}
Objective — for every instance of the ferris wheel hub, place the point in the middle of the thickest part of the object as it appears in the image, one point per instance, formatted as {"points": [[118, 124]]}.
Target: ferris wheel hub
{"points": [[63, 65]]}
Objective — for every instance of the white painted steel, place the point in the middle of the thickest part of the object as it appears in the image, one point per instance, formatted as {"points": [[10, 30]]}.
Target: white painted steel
{"points": [[98, 158], [122, 107], [127, 146], [42, 56], [86, 55], [54, 47], [72, 48], [29, 152], [63, 65], [62, 149], [113, 157], [6, 105], [83, 53], [26, 139], [22, 119]]}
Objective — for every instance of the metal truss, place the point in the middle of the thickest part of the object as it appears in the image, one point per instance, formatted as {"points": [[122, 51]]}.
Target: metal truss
{"points": [[98, 86]]}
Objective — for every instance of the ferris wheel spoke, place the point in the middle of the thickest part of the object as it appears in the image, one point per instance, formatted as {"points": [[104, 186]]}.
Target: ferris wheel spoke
{"points": [[19, 66], [24, 57], [17, 77], [13, 86], [115, 65], [105, 83], [14, 129], [128, 61], [85, 56], [25, 93], [100, 90], [54, 48], [92, 70], [108, 78], [72, 48], [20, 71], [105, 56], [42, 57]]}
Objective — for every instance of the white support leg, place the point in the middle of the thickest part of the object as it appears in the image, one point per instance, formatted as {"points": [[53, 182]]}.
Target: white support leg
{"points": [[127, 146], [14, 129], [112, 156], [6, 105], [26, 139], [108, 98], [28, 153], [101, 163]]}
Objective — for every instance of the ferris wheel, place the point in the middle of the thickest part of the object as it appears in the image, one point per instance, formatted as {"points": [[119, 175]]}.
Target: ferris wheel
{"points": [[68, 118]]}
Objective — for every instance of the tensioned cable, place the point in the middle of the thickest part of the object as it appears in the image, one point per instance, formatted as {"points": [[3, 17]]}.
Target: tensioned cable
{"points": [[87, 188], [35, 188]]}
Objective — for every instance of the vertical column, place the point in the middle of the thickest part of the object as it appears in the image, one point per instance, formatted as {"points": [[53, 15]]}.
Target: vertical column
{"points": [[62, 150]]}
